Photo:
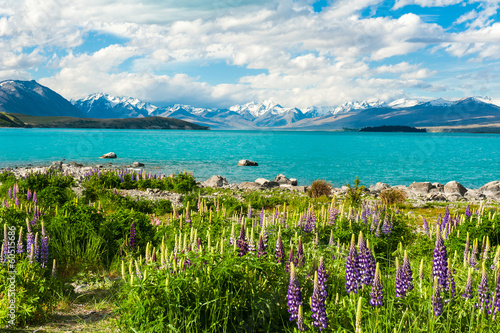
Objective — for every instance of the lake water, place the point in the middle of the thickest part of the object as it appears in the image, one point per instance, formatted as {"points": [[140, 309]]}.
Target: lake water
{"points": [[394, 158]]}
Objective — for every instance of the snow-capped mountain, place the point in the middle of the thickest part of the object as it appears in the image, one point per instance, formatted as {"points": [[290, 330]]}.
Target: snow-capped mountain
{"points": [[269, 114], [105, 106]]}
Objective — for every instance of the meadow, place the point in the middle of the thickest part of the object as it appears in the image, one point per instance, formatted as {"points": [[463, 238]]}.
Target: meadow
{"points": [[258, 261]]}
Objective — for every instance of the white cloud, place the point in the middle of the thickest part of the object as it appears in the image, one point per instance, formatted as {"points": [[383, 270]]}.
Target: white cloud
{"points": [[426, 3]]}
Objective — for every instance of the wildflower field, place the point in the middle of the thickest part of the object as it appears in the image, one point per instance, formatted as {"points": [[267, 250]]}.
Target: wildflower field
{"points": [[261, 261]]}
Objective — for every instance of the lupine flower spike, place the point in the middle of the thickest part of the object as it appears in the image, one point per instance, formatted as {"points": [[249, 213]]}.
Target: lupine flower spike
{"points": [[468, 286], [440, 262], [352, 278], [437, 300], [366, 261], [294, 296], [407, 272], [377, 293], [318, 307], [358, 315], [483, 294]]}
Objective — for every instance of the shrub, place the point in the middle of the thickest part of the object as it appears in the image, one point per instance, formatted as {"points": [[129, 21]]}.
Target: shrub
{"points": [[319, 188], [354, 194], [393, 196]]}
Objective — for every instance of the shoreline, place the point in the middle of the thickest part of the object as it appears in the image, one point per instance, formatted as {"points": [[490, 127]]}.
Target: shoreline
{"points": [[418, 192]]}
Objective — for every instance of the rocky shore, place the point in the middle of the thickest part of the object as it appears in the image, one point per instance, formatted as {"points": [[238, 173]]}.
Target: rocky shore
{"points": [[418, 192]]}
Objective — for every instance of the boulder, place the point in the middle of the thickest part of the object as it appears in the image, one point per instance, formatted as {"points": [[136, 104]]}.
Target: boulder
{"points": [[281, 179], [379, 187], [454, 197], [247, 163], [294, 181], [250, 186], [215, 181], [76, 165], [474, 195], [137, 164], [436, 197], [109, 155], [454, 187], [56, 166], [266, 183], [301, 189], [423, 187], [491, 188]]}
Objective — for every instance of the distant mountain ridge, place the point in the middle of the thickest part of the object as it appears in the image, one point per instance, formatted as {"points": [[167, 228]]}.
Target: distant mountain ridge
{"points": [[31, 98]]}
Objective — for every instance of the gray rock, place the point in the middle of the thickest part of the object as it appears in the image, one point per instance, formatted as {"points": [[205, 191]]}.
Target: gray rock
{"points": [[261, 181], [76, 165], [491, 188], [56, 166], [436, 197], [294, 181], [454, 187], [215, 181], [474, 195], [454, 197], [423, 187], [109, 155], [247, 163], [281, 179], [137, 164], [266, 183], [379, 187], [301, 189], [250, 186]]}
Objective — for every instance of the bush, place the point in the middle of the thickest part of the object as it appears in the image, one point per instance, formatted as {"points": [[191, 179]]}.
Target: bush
{"points": [[354, 194], [319, 188], [393, 196]]}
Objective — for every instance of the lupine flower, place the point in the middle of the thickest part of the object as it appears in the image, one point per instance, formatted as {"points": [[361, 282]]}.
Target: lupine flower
{"points": [[300, 260], [496, 258], [290, 259], [468, 212], [466, 250], [483, 294], [440, 262], [54, 271], [473, 256], [407, 272], [44, 247], [496, 305], [310, 221], [451, 281], [358, 315], [241, 242], [426, 226], [294, 296], [37, 249], [279, 250], [17, 202], [352, 276], [322, 277], [262, 251], [332, 215], [132, 236], [400, 283], [29, 238], [251, 241], [138, 270], [232, 238], [377, 293], [366, 261], [29, 195], [35, 198], [300, 319], [20, 243], [421, 271], [446, 219], [468, 286], [318, 307], [437, 300], [10, 193], [249, 215], [5, 243], [262, 217], [486, 249], [331, 241]]}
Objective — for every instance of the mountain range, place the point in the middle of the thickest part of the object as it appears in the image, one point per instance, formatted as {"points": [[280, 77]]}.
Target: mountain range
{"points": [[29, 97]]}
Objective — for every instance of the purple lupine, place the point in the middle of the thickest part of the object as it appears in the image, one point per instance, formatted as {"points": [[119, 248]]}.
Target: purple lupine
{"points": [[249, 215], [366, 261], [30, 240], [17, 202], [133, 239], [262, 250], [310, 221], [468, 286], [332, 215], [473, 256], [300, 259], [497, 292], [20, 243], [35, 198], [426, 226], [241, 242], [290, 259], [407, 272], [279, 250], [322, 278], [29, 195], [44, 247], [400, 284], [446, 219], [377, 293], [294, 296], [10, 193], [440, 261], [331, 242], [451, 281], [37, 248], [437, 299], [468, 212], [483, 294], [262, 217], [318, 307], [352, 276]]}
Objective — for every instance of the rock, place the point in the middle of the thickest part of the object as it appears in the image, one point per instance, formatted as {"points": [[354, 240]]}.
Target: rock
{"points": [[137, 164], [281, 179], [215, 181], [109, 155], [294, 181], [247, 163], [301, 189], [436, 197], [454, 197], [56, 166], [379, 187], [423, 187], [76, 165], [491, 189], [474, 195], [266, 183], [454, 187], [250, 186]]}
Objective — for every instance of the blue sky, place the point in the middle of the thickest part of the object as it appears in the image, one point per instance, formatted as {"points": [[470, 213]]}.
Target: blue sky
{"points": [[225, 52]]}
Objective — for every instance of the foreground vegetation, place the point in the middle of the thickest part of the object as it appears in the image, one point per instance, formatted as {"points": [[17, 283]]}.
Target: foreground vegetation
{"points": [[246, 261]]}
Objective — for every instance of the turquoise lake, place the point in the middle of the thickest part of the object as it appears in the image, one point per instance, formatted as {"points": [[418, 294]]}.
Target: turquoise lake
{"points": [[394, 158]]}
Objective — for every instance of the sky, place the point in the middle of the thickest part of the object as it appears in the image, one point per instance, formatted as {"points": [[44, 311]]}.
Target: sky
{"points": [[220, 53]]}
